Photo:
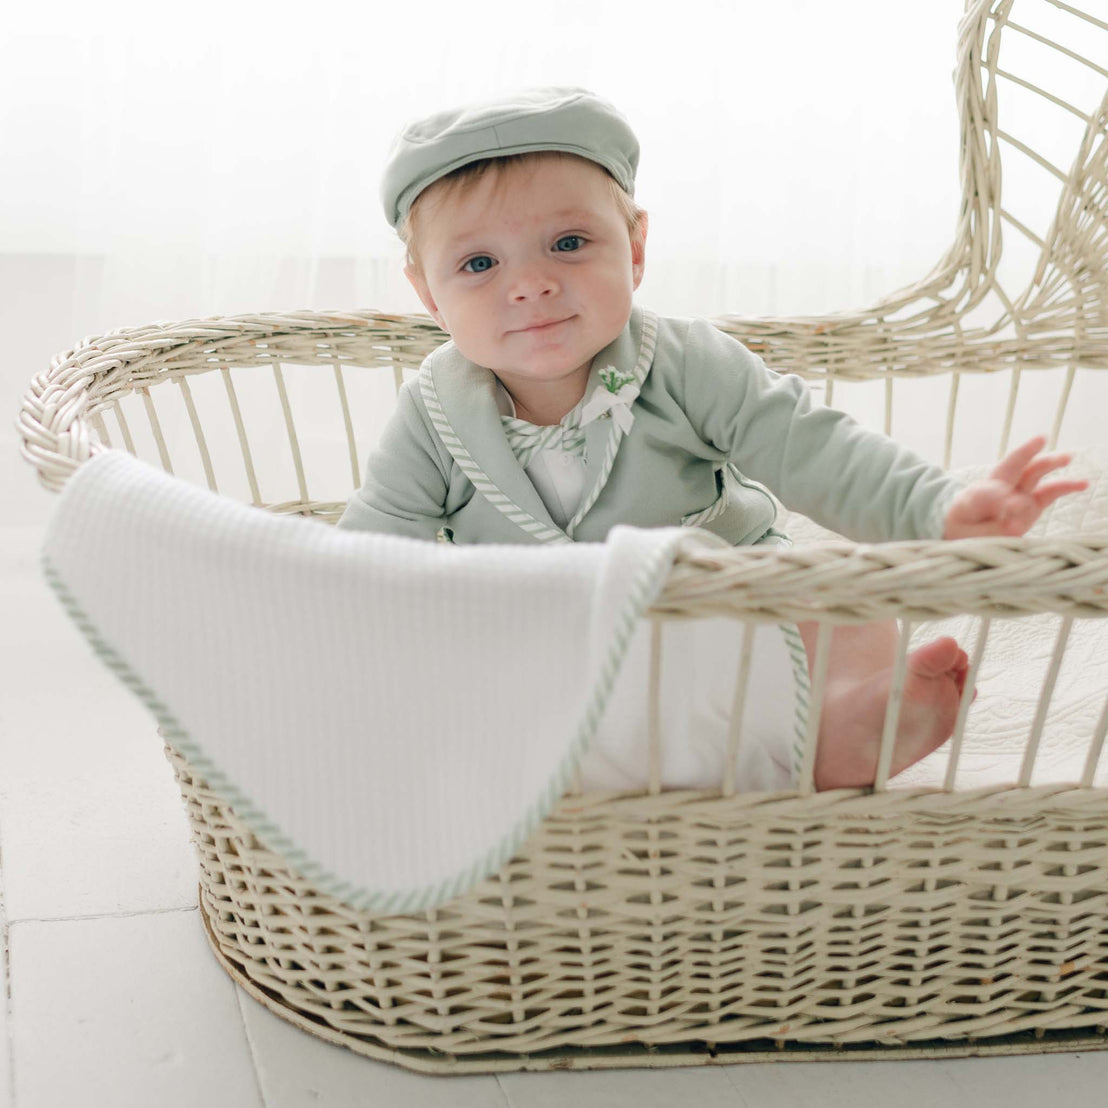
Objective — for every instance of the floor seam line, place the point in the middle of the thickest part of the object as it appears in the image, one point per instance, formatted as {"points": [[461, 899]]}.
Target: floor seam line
{"points": [[101, 915]]}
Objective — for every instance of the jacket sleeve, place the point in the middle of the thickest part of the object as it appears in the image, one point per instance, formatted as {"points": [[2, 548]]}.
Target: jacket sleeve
{"points": [[815, 459], [406, 478]]}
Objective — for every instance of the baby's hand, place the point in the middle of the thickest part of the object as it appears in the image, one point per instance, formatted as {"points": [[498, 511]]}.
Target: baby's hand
{"points": [[1010, 499]]}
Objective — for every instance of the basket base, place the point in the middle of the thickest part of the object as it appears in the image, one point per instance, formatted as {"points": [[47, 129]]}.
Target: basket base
{"points": [[692, 1053]]}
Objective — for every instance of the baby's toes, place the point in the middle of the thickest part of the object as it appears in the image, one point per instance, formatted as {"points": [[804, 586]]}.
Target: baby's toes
{"points": [[960, 671], [935, 658]]}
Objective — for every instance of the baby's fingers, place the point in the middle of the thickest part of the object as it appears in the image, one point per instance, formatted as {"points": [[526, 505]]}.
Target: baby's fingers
{"points": [[1049, 493], [1010, 469], [1039, 468]]}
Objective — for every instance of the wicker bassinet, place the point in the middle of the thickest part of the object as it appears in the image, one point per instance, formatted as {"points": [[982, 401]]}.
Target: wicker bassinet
{"points": [[676, 927]]}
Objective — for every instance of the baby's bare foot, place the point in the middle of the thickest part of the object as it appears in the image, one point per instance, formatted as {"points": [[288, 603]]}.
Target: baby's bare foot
{"points": [[853, 716]]}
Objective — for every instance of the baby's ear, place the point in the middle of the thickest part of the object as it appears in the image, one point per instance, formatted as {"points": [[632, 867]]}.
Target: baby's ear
{"points": [[638, 248]]}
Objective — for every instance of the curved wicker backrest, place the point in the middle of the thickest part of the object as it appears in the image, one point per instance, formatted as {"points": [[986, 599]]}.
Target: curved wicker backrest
{"points": [[1058, 316]]}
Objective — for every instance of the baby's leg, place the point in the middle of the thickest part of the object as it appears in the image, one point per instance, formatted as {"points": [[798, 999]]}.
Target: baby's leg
{"points": [[856, 694]]}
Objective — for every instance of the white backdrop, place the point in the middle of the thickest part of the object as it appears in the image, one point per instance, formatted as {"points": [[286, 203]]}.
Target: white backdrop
{"points": [[224, 157], [167, 162]]}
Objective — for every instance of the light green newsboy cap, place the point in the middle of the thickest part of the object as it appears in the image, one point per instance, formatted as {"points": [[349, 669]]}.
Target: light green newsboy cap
{"points": [[544, 118]]}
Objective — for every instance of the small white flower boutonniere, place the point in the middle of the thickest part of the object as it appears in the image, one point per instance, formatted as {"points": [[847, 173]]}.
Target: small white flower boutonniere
{"points": [[619, 393]]}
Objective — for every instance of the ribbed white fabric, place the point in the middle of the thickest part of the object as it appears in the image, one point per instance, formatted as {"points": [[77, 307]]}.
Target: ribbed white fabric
{"points": [[370, 704]]}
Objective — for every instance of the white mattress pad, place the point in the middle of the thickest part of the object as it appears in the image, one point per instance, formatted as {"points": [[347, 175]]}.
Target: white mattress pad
{"points": [[1017, 657]]}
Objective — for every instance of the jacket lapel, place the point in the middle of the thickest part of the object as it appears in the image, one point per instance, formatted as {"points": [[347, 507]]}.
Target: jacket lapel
{"points": [[468, 422], [631, 352]]}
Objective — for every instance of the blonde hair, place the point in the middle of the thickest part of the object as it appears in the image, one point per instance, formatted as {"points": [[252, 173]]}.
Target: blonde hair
{"points": [[468, 175]]}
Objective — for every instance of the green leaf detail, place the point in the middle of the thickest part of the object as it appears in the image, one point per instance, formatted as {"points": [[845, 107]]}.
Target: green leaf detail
{"points": [[613, 379]]}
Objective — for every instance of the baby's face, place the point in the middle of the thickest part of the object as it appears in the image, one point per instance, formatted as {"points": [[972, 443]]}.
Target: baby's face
{"points": [[550, 248]]}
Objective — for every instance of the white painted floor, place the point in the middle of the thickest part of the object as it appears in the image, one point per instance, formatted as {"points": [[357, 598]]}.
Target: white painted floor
{"points": [[114, 998]]}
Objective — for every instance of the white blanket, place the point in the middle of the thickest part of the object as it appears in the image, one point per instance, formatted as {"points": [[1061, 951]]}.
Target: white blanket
{"points": [[393, 716]]}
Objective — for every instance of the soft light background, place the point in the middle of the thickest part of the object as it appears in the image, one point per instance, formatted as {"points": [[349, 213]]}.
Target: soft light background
{"points": [[163, 163]]}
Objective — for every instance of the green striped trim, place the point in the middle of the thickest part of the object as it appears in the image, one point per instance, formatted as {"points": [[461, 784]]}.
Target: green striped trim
{"points": [[527, 439], [799, 658], [642, 368], [647, 584], [706, 515], [477, 477]]}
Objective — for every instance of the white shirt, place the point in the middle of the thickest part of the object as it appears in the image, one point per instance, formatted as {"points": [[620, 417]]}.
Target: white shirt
{"points": [[558, 477]]}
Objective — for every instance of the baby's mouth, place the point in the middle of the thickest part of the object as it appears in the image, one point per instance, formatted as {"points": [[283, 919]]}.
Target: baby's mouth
{"points": [[544, 326]]}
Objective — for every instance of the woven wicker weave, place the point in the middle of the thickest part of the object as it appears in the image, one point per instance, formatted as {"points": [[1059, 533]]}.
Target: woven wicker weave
{"points": [[677, 927]]}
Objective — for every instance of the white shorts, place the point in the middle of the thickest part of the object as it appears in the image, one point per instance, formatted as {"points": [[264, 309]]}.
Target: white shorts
{"points": [[699, 671]]}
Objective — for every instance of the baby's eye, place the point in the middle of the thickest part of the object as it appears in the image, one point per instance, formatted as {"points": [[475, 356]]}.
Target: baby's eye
{"points": [[569, 238], [482, 263]]}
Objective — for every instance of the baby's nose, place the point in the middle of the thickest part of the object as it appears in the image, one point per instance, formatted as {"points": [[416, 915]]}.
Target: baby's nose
{"points": [[532, 280]]}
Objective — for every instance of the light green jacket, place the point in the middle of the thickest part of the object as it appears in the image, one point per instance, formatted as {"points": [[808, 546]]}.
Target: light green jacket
{"points": [[712, 425]]}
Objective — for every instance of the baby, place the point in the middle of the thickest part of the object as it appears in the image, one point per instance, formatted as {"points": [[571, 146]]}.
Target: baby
{"points": [[561, 408]]}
